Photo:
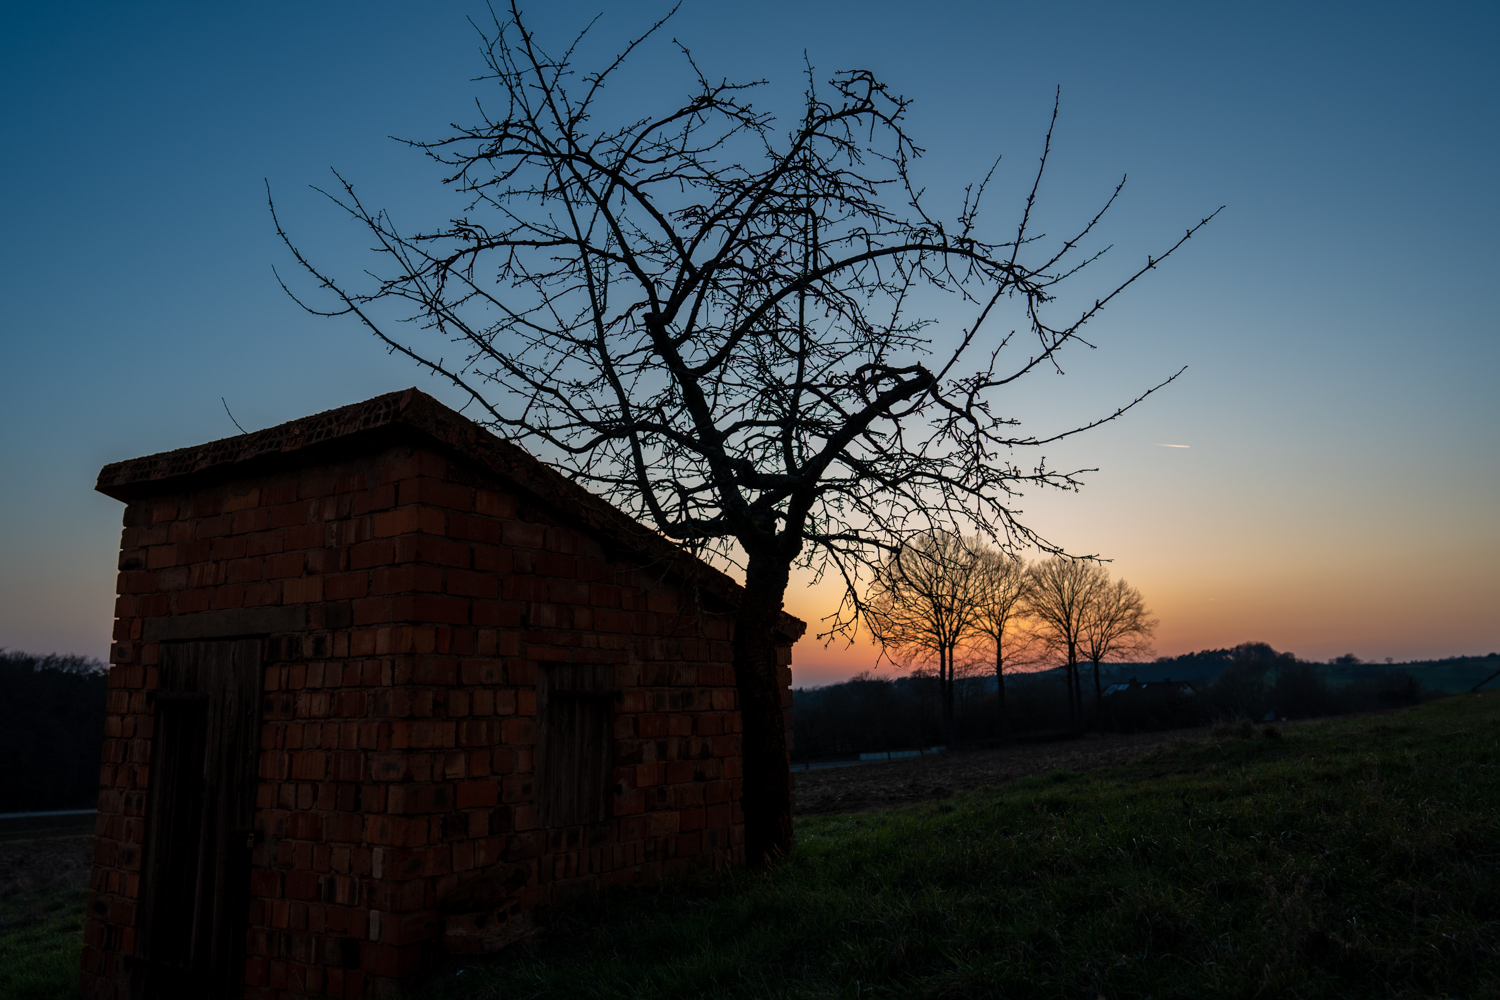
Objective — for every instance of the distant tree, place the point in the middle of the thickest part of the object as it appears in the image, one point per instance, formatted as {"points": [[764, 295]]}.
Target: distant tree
{"points": [[51, 730], [1060, 598], [1003, 586], [1116, 625], [706, 315], [1299, 690], [62, 663], [864, 713], [1243, 687], [924, 602]]}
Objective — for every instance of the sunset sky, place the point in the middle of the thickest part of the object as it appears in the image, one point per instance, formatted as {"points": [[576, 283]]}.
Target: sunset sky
{"points": [[1325, 476]]}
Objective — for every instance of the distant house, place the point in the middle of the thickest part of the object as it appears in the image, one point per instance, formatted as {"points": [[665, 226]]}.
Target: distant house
{"points": [[1146, 690], [382, 685], [1135, 704]]}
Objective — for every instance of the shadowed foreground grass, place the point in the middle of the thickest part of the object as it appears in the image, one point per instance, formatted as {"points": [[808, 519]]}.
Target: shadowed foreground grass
{"points": [[41, 943], [1348, 858]]}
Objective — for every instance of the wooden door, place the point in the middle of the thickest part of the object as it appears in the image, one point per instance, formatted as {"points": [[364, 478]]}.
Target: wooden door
{"points": [[195, 897], [575, 744]]}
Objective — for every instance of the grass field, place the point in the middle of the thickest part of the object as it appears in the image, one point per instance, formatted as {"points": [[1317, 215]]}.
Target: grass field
{"points": [[1356, 857], [41, 922], [1348, 858]]}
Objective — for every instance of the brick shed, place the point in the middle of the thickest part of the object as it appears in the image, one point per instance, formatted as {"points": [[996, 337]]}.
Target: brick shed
{"points": [[382, 686]]}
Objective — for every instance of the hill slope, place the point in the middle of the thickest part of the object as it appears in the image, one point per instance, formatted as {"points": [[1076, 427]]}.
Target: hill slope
{"points": [[1346, 858]]}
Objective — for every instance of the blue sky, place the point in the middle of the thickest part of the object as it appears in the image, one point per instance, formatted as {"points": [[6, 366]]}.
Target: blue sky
{"points": [[1341, 488]]}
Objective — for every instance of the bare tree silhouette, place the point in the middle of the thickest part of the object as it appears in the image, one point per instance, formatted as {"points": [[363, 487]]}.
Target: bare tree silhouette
{"points": [[1004, 587], [1060, 599], [924, 602], [1116, 625], [707, 317]]}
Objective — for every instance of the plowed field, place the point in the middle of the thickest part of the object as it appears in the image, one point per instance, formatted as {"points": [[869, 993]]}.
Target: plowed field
{"points": [[894, 783]]}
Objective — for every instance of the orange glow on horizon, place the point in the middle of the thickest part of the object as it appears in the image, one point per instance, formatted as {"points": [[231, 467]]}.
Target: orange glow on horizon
{"points": [[1441, 610]]}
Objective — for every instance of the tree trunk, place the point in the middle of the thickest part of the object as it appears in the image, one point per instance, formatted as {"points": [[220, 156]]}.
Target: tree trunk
{"points": [[1068, 670], [945, 689], [766, 785], [1078, 693], [1067, 688], [1075, 688], [1098, 699], [1000, 690]]}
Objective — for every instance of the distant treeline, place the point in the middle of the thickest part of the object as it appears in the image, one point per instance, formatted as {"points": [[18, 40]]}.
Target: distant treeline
{"points": [[1451, 675], [52, 708], [51, 731], [872, 713]]}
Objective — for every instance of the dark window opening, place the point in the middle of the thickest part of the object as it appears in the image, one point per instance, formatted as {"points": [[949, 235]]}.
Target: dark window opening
{"points": [[575, 745]]}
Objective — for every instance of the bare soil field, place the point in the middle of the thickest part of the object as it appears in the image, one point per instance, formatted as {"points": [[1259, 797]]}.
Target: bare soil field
{"points": [[894, 783], [30, 866]]}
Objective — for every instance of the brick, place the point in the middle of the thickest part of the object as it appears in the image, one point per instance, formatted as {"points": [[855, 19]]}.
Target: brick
{"points": [[226, 547], [363, 501], [568, 591], [425, 490], [423, 734], [479, 732], [246, 570], [484, 530], [325, 561], [563, 540], [344, 586], [366, 555], [418, 799], [495, 504], [476, 794], [263, 593], [303, 591], [590, 570], [468, 584], [305, 536], [136, 583], [422, 548], [556, 564], [407, 521], [406, 579], [263, 543], [245, 521], [278, 492], [431, 608], [476, 672], [372, 610], [315, 484], [522, 534], [281, 566]]}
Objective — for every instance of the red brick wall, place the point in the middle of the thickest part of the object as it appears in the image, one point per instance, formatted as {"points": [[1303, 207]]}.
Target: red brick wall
{"points": [[397, 746]]}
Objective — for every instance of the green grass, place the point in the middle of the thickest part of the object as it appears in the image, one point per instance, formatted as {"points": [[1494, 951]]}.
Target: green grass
{"points": [[1347, 858], [1450, 676], [41, 943]]}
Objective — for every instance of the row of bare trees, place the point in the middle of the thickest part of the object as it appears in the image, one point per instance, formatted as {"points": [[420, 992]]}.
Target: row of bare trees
{"points": [[944, 600]]}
